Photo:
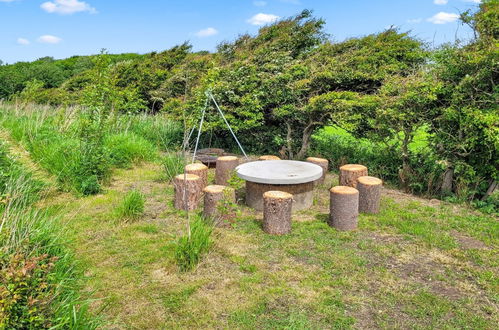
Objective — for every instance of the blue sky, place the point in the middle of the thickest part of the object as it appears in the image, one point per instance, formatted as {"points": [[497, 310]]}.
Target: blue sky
{"points": [[30, 29]]}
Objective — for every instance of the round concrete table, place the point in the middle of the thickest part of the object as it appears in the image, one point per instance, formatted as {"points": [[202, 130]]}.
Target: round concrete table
{"points": [[290, 176]]}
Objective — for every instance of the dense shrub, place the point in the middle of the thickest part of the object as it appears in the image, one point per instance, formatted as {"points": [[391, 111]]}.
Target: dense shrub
{"points": [[382, 159]]}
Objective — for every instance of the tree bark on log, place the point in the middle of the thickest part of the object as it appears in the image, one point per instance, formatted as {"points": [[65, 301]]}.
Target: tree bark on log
{"points": [[349, 174], [344, 208], [217, 197], [324, 163], [277, 207], [269, 157], [187, 192], [225, 168], [200, 170], [369, 194]]}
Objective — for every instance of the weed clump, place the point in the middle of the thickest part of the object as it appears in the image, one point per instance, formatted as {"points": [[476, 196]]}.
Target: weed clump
{"points": [[132, 206], [190, 248]]}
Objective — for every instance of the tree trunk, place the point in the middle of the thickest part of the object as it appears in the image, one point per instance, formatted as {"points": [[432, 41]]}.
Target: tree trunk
{"points": [[344, 208], [349, 174], [225, 169], [277, 212], [289, 140], [369, 194], [494, 185], [305, 141], [447, 180], [187, 192]]}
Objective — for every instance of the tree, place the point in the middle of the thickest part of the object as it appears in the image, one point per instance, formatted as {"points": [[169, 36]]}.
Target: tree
{"points": [[466, 130], [406, 105]]}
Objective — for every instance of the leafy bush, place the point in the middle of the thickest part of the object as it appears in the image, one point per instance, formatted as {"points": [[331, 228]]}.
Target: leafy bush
{"points": [[128, 148], [191, 247], [132, 206]]}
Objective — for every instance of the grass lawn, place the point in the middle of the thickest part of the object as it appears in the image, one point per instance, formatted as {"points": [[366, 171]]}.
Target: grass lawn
{"points": [[417, 264]]}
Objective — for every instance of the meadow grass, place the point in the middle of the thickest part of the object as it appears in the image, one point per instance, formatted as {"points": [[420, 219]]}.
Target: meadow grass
{"points": [[414, 265]]}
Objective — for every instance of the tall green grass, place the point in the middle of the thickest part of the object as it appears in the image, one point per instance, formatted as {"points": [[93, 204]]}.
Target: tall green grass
{"points": [[53, 136], [190, 247], [39, 280], [132, 206]]}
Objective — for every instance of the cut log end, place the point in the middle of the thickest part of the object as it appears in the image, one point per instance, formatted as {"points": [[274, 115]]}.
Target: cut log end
{"points": [[344, 190], [196, 167], [226, 158], [274, 194], [269, 157], [317, 160], [369, 181], [188, 177], [214, 189], [353, 168]]}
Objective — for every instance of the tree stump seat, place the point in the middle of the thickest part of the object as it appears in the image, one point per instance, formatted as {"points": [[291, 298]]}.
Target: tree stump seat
{"points": [[324, 163], [216, 197], [225, 169], [369, 194], [344, 208], [188, 191], [200, 170], [277, 207], [349, 174]]}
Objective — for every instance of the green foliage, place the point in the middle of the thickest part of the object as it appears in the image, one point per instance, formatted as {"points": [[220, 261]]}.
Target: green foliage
{"points": [[190, 247], [132, 206]]}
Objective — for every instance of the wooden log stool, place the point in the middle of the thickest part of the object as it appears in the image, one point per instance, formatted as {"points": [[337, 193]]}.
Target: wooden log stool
{"points": [[349, 174], [369, 189], [344, 208], [277, 212], [269, 157], [324, 163], [193, 191], [200, 170], [215, 197], [225, 168]]}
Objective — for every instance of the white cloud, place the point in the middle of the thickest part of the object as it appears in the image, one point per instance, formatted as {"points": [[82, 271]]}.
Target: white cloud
{"points": [[443, 18], [440, 2], [260, 3], [67, 7], [262, 19], [49, 39], [22, 41], [415, 20], [208, 32]]}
